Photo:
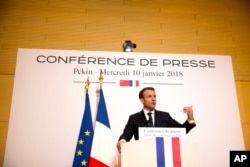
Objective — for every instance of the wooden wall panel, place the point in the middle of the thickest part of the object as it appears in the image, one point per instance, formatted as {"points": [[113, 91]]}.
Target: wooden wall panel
{"points": [[243, 94], [6, 86], [192, 26], [3, 138]]}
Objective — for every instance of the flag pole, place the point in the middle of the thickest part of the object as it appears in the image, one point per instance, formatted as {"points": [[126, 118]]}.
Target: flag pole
{"points": [[101, 79], [85, 137], [87, 83]]}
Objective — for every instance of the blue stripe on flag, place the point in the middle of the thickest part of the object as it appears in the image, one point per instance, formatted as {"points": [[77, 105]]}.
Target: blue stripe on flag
{"points": [[102, 114], [160, 154]]}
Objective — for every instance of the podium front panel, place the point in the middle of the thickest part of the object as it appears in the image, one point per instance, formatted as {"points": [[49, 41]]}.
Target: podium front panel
{"points": [[160, 152]]}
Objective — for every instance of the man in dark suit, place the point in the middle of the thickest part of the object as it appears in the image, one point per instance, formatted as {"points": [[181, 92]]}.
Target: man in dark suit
{"points": [[150, 117]]}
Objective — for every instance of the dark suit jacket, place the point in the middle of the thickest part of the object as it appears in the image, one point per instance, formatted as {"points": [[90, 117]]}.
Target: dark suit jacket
{"points": [[162, 119]]}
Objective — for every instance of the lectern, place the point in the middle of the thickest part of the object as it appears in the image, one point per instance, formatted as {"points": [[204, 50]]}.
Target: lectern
{"points": [[160, 152]]}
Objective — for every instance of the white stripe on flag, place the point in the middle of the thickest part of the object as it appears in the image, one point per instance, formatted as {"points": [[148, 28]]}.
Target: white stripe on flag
{"points": [[103, 144], [168, 152]]}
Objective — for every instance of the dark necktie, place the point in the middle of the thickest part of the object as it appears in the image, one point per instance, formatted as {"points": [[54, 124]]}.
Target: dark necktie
{"points": [[150, 120]]}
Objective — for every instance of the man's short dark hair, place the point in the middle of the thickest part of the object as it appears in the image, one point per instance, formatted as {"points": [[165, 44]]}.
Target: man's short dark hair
{"points": [[143, 90]]}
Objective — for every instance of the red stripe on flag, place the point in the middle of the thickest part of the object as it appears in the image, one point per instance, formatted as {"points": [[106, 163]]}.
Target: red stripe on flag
{"points": [[176, 152], [136, 83], [95, 162]]}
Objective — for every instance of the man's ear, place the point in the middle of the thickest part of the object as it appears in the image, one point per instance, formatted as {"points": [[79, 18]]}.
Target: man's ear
{"points": [[142, 100]]}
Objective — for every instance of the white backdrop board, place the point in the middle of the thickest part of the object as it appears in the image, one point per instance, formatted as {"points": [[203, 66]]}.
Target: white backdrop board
{"points": [[49, 95]]}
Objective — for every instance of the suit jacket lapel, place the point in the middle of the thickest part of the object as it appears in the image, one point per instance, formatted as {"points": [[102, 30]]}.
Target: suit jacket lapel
{"points": [[143, 119], [157, 118]]}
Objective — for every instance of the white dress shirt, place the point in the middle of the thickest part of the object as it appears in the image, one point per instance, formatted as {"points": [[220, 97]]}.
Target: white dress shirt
{"points": [[147, 116]]}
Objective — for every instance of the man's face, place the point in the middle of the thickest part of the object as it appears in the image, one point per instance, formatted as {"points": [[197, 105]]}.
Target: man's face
{"points": [[149, 100]]}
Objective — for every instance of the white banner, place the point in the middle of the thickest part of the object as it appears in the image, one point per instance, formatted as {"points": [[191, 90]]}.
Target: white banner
{"points": [[48, 100], [148, 132]]}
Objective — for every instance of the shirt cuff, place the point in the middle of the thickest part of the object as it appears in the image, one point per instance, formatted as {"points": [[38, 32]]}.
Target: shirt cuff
{"points": [[191, 121], [123, 140]]}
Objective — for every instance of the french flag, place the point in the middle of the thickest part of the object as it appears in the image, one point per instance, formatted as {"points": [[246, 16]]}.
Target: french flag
{"points": [[129, 83], [160, 152], [103, 147]]}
